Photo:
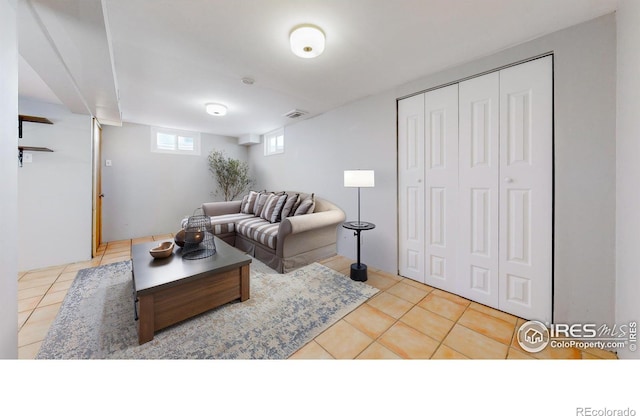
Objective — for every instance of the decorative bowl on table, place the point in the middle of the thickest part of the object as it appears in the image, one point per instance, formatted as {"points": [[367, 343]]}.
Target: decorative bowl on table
{"points": [[179, 238], [194, 236], [163, 250]]}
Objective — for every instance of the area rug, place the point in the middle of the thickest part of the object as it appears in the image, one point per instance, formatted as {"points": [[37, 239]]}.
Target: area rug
{"points": [[284, 312]]}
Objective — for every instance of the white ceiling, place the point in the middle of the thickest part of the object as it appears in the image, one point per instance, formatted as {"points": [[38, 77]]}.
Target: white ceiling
{"points": [[158, 62]]}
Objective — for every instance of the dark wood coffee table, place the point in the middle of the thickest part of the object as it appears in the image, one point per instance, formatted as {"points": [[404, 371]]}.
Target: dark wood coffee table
{"points": [[170, 290]]}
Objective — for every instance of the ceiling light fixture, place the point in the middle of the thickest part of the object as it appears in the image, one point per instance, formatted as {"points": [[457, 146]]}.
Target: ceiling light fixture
{"points": [[216, 109], [307, 41]]}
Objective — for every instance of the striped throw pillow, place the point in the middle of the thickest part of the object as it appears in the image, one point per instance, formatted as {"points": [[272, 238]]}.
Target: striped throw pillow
{"points": [[306, 206], [273, 206], [260, 201], [287, 209], [277, 210], [249, 205]]}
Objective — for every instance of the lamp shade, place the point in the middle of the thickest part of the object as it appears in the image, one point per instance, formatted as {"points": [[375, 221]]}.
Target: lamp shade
{"points": [[307, 41], [359, 179]]}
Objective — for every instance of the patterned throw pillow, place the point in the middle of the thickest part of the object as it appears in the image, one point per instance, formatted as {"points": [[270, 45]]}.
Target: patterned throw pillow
{"points": [[287, 209], [248, 206], [269, 206], [300, 198], [277, 210], [260, 201], [306, 206], [243, 204]]}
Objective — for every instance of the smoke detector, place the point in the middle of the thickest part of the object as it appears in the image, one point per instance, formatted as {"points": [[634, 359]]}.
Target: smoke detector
{"points": [[296, 113]]}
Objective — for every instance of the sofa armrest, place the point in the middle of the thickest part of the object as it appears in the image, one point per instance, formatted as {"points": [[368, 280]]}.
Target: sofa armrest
{"points": [[211, 209], [307, 232], [301, 223]]}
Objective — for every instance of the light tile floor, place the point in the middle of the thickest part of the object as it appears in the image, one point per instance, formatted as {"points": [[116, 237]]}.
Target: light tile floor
{"points": [[406, 319]]}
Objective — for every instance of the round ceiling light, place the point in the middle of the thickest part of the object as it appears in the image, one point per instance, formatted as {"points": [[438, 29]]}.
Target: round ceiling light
{"points": [[216, 109], [307, 41]]}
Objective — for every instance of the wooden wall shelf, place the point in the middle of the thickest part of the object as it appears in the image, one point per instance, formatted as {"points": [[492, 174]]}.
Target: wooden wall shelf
{"points": [[30, 119], [34, 149], [22, 149]]}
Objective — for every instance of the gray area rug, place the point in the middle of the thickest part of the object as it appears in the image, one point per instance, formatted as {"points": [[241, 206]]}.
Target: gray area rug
{"points": [[285, 312]]}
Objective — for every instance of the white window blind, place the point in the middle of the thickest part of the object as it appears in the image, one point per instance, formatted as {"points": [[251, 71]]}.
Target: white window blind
{"points": [[175, 141]]}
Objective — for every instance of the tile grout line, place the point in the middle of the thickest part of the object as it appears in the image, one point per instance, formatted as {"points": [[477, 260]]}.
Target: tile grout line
{"points": [[43, 296], [101, 254], [449, 331]]}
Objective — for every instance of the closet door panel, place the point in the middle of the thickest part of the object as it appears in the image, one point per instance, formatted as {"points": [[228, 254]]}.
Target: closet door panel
{"points": [[411, 168], [441, 175], [478, 189], [526, 189]]}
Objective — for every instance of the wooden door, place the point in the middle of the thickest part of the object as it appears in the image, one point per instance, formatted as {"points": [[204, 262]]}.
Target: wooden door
{"points": [[97, 187], [441, 178], [411, 233], [526, 189]]}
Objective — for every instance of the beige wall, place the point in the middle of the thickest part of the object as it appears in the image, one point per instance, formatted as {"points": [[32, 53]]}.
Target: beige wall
{"points": [[149, 193], [54, 190], [8, 180], [584, 153], [363, 135], [628, 168]]}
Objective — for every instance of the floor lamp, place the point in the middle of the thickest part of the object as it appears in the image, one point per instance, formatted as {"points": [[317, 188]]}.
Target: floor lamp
{"points": [[359, 179]]}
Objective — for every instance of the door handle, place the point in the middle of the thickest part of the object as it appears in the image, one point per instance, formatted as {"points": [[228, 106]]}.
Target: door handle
{"points": [[101, 195], [508, 180]]}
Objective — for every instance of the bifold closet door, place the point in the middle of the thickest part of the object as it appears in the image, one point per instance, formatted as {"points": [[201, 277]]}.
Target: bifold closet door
{"points": [[475, 169], [526, 189], [411, 166], [441, 190], [478, 187]]}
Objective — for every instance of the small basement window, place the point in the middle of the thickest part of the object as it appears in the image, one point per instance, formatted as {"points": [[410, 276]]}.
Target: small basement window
{"points": [[274, 142], [177, 142]]}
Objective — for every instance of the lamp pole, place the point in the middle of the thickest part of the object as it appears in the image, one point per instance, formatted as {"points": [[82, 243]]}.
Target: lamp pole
{"points": [[358, 209]]}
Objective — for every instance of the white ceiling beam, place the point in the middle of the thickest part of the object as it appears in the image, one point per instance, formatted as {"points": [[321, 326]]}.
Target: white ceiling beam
{"points": [[68, 44]]}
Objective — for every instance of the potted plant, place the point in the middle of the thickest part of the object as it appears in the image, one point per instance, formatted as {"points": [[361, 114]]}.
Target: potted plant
{"points": [[232, 175]]}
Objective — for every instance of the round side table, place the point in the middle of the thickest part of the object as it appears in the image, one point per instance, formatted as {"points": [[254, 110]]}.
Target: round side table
{"points": [[358, 270]]}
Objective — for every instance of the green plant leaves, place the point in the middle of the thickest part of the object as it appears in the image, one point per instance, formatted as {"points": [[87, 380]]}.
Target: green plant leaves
{"points": [[232, 175]]}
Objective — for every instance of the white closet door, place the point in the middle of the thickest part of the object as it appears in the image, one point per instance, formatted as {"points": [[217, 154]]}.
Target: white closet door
{"points": [[441, 148], [411, 187], [526, 166], [478, 189]]}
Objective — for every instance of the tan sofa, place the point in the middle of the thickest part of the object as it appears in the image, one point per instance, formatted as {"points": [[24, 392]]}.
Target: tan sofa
{"points": [[285, 244]]}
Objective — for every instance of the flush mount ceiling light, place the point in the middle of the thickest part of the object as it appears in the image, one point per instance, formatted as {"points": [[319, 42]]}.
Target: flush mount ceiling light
{"points": [[216, 109], [307, 41]]}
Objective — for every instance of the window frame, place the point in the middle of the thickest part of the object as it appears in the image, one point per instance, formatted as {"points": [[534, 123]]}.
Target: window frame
{"points": [[268, 138], [177, 134]]}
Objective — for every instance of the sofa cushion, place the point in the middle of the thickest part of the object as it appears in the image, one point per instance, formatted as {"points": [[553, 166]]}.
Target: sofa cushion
{"points": [[222, 224], [259, 230], [297, 203], [269, 206], [248, 206], [243, 203], [287, 209], [260, 201], [273, 207], [306, 206], [276, 216]]}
